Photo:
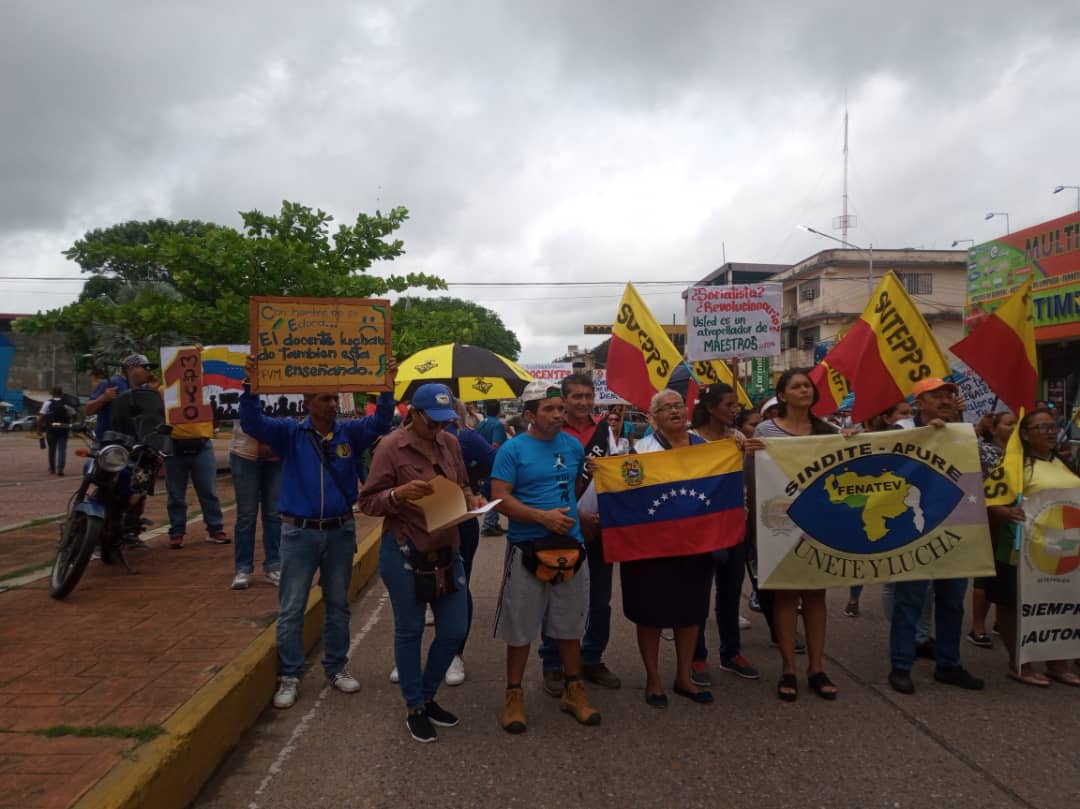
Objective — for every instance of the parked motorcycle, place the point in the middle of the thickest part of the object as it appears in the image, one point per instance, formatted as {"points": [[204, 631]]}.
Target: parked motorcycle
{"points": [[106, 510]]}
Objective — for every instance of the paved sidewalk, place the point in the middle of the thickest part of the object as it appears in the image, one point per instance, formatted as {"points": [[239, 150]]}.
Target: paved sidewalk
{"points": [[105, 668]]}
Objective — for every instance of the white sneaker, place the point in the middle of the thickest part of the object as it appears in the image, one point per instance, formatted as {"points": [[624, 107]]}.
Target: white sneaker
{"points": [[667, 634], [273, 577], [744, 623], [344, 682], [241, 581], [394, 675], [429, 617], [285, 696], [455, 675]]}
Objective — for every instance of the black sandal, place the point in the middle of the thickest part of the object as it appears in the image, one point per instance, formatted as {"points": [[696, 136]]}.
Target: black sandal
{"points": [[787, 688], [819, 682]]}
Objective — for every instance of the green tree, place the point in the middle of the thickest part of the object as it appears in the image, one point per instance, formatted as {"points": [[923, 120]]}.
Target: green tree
{"points": [[161, 283], [420, 323]]}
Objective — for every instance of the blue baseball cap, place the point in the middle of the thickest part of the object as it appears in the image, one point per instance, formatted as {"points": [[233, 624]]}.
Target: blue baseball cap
{"points": [[435, 401]]}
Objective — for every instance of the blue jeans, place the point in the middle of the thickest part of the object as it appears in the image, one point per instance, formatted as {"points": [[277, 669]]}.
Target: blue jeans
{"points": [[303, 551], [730, 570], [469, 543], [56, 440], [201, 468], [419, 685], [910, 599], [598, 628], [924, 630], [256, 483]]}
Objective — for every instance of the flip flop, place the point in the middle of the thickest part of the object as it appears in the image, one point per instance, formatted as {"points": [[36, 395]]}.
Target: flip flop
{"points": [[788, 688], [1028, 679], [820, 681], [1064, 677]]}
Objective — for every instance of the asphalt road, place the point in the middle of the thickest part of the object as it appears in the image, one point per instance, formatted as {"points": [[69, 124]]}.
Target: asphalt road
{"points": [[1009, 746]]}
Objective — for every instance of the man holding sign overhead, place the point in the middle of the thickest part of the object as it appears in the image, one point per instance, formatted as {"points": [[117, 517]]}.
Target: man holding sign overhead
{"points": [[319, 486]]}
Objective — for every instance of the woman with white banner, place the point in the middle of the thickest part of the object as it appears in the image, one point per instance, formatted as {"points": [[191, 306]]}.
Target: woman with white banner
{"points": [[1043, 471]]}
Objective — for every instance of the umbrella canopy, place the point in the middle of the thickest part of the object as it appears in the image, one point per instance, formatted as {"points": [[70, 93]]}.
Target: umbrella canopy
{"points": [[472, 373]]}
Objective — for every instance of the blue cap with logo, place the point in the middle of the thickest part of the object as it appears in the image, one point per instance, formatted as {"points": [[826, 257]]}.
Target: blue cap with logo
{"points": [[436, 401]]}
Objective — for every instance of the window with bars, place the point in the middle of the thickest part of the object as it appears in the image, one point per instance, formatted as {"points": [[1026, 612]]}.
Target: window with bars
{"points": [[810, 290], [808, 338], [917, 283]]}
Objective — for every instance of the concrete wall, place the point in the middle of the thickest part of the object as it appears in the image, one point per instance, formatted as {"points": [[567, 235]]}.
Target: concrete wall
{"points": [[40, 362]]}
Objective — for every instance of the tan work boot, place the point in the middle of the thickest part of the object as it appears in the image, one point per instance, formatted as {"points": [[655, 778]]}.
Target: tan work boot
{"points": [[513, 713], [575, 702]]}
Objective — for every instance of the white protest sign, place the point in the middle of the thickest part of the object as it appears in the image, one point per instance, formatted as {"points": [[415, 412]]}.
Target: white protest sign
{"points": [[725, 322], [553, 372], [604, 395], [978, 398], [1049, 577]]}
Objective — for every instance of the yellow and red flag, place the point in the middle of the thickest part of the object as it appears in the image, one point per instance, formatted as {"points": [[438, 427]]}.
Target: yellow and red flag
{"points": [[832, 387], [1005, 481], [1001, 349], [641, 356], [709, 372], [888, 349]]}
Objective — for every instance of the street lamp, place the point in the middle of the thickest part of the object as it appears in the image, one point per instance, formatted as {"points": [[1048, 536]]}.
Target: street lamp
{"points": [[1061, 188], [870, 252], [992, 214], [957, 241]]}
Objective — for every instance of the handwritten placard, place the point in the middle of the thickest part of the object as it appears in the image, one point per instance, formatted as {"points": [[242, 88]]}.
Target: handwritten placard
{"points": [[314, 345], [725, 322], [604, 394]]}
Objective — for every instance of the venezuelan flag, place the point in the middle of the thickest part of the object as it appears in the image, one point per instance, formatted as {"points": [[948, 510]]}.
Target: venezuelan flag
{"points": [[888, 349], [831, 386], [1001, 349], [641, 357], [671, 503], [223, 366]]}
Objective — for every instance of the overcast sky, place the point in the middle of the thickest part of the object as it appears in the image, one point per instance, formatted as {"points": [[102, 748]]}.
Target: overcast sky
{"points": [[537, 141]]}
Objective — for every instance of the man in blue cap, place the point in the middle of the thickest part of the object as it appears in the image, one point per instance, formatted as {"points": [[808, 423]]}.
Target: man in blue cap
{"points": [[319, 487]]}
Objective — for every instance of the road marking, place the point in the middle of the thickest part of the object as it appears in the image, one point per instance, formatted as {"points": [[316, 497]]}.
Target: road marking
{"points": [[278, 764]]}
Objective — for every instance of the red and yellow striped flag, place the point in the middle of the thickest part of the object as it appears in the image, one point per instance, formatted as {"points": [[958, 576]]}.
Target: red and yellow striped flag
{"points": [[832, 388], [641, 356], [888, 349], [1001, 349]]}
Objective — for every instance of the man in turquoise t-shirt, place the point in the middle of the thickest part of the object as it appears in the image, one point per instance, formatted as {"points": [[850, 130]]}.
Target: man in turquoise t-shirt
{"points": [[534, 477]]}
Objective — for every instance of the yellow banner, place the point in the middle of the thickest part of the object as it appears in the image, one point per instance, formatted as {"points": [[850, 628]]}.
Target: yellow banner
{"points": [[709, 372], [635, 325], [905, 343], [895, 505]]}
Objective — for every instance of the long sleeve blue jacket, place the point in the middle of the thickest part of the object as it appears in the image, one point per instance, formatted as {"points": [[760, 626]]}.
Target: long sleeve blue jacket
{"points": [[308, 489]]}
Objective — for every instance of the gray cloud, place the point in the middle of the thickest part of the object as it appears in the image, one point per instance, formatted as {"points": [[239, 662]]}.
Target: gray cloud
{"points": [[538, 140]]}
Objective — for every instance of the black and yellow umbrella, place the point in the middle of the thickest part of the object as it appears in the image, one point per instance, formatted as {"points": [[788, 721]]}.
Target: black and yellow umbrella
{"points": [[472, 373]]}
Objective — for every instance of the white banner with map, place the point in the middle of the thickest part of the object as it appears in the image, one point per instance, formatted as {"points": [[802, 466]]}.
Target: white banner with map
{"points": [[873, 507]]}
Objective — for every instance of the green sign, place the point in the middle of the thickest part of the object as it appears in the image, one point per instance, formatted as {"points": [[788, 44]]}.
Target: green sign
{"points": [[760, 376]]}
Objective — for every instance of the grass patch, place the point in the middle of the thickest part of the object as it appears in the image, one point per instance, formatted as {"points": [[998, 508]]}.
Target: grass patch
{"points": [[23, 571], [140, 733]]}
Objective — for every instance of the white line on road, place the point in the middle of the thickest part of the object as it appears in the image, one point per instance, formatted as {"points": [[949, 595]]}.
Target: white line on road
{"points": [[278, 764]]}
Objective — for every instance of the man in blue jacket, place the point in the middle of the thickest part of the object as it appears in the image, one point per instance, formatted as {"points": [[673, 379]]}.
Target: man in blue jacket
{"points": [[318, 489]]}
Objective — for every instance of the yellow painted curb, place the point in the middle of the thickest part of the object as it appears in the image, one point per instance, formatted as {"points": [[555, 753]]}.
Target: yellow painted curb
{"points": [[168, 772]]}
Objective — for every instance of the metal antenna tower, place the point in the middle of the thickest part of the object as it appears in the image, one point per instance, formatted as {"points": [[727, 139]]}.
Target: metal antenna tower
{"points": [[845, 220]]}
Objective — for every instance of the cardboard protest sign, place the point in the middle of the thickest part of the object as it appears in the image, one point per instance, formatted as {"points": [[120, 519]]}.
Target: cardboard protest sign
{"points": [[725, 322], [604, 394], [320, 344], [896, 505]]}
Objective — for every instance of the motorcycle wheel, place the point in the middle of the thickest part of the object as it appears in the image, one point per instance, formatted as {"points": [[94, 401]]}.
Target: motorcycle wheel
{"points": [[80, 536]]}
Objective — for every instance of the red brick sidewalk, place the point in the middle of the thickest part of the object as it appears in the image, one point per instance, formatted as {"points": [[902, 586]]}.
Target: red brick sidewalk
{"points": [[116, 658]]}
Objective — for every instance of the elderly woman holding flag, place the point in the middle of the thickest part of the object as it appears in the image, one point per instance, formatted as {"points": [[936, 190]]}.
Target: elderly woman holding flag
{"points": [[662, 521], [1039, 469]]}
